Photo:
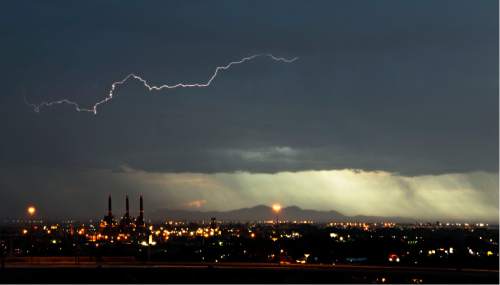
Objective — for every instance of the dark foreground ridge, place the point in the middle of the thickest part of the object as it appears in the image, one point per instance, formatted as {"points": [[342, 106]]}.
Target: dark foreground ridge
{"points": [[60, 271]]}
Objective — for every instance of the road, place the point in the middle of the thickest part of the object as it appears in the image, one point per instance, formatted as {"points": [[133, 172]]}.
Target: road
{"points": [[54, 270]]}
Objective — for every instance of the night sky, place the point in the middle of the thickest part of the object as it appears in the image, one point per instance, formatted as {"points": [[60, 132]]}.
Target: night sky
{"points": [[391, 109]]}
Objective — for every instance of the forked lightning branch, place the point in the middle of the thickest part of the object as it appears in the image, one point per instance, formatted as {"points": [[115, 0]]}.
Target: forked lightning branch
{"points": [[133, 76]]}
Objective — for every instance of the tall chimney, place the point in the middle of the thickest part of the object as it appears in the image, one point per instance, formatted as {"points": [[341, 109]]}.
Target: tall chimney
{"points": [[126, 207], [109, 206], [141, 209]]}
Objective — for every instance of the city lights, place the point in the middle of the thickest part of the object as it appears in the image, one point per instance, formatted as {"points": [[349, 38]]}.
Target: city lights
{"points": [[286, 242]]}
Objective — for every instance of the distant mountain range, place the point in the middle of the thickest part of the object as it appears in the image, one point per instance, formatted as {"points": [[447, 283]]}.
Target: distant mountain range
{"points": [[265, 213]]}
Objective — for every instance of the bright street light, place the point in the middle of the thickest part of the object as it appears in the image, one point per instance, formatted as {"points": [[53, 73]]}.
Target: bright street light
{"points": [[31, 210], [276, 208]]}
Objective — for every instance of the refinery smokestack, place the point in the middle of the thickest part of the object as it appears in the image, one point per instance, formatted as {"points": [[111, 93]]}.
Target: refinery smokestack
{"points": [[141, 209], [109, 206], [126, 207]]}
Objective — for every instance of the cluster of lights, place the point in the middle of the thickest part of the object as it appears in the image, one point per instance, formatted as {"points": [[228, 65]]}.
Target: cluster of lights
{"points": [[339, 237], [364, 226], [292, 235], [446, 251], [449, 224], [477, 253], [165, 234], [287, 222]]}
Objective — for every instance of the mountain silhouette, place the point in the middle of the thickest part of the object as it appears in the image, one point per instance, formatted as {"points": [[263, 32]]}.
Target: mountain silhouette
{"points": [[265, 213]]}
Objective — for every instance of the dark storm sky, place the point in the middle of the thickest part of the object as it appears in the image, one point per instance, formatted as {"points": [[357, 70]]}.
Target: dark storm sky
{"points": [[407, 87]]}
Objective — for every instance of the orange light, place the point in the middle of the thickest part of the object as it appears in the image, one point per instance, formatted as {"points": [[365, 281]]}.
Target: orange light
{"points": [[31, 210], [276, 208]]}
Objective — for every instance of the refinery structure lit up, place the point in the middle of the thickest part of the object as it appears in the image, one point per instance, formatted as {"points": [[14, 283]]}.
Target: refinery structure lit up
{"points": [[129, 230], [126, 230]]}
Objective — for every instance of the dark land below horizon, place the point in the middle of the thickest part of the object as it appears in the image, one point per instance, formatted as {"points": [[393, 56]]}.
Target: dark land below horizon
{"points": [[67, 270]]}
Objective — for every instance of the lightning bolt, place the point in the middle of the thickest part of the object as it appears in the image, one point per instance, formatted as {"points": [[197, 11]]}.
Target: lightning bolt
{"points": [[132, 76]]}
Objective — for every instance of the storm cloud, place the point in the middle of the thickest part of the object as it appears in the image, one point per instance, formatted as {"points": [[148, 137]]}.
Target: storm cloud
{"points": [[404, 88]]}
